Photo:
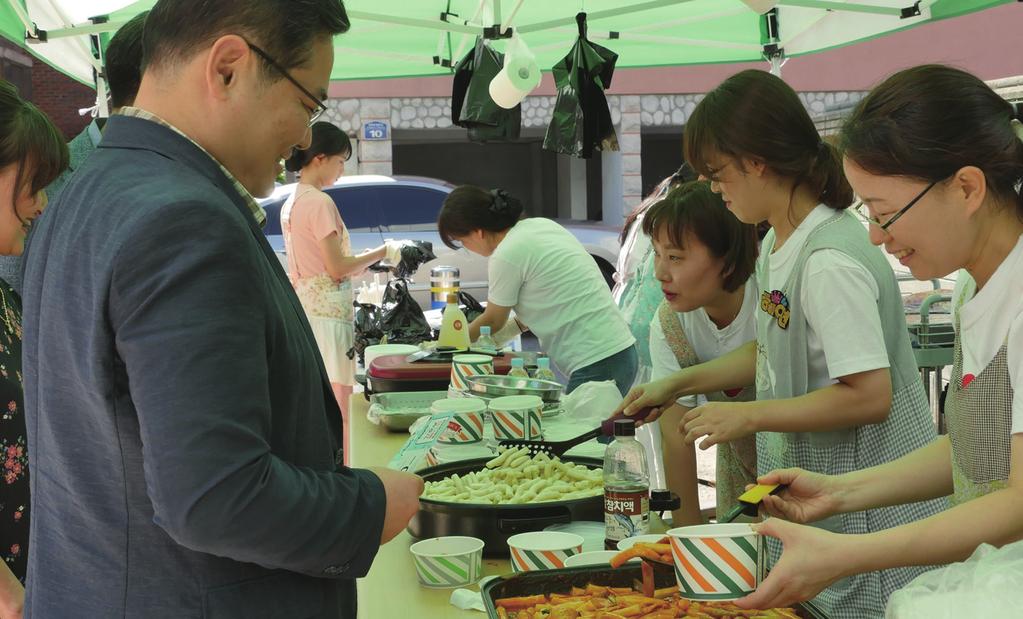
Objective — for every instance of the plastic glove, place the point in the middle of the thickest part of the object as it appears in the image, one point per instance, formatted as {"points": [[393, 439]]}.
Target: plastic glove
{"points": [[393, 255]]}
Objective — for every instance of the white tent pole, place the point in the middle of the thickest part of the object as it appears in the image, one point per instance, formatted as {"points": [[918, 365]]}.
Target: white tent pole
{"points": [[495, 5], [832, 5], [511, 16], [465, 37], [84, 29], [624, 10], [416, 23]]}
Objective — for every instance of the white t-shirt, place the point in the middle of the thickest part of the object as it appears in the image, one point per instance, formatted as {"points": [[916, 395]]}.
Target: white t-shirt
{"points": [[556, 289], [839, 297], [708, 341], [993, 317]]}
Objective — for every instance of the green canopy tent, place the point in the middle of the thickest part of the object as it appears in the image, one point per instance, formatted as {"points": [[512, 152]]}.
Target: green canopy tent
{"points": [[404, 38]]}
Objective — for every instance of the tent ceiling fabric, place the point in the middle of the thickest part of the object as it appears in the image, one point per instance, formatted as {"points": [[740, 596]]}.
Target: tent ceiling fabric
{"points": [[384, 43]]}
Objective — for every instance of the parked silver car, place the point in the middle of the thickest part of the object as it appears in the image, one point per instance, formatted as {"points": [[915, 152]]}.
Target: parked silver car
{"points": [[376, 208]]}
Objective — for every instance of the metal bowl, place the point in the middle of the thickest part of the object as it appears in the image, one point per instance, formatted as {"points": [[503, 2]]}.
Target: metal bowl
{"points": [[497, 386]]}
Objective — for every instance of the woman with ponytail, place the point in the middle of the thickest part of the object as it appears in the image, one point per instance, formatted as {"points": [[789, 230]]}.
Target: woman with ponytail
{"points": [[837, 384], [320, 260], [936, 158], [541, 271]]}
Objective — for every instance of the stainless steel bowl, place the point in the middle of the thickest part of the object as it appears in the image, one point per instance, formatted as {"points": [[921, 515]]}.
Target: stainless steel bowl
{"points": [[498, 386]]}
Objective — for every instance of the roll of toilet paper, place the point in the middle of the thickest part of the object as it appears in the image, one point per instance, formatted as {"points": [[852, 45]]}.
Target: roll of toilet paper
{"points": [[516, 80]]}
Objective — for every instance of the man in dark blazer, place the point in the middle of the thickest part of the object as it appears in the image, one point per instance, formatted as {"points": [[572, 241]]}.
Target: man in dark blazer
{"points": [[184, 442]]}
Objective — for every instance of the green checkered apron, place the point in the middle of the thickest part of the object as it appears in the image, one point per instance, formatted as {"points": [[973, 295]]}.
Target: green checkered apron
{"points": [[782, 372]]}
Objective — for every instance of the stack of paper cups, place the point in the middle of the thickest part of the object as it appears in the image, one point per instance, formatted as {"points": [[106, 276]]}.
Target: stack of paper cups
{"points": [[464, 366], [517, 79]]}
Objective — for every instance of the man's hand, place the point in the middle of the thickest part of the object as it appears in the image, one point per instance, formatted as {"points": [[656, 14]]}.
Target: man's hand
{"points": [[402, 490]]}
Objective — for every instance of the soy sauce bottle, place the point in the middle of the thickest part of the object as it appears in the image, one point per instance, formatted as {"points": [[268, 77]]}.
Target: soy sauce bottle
{"points": [[626, 486]]}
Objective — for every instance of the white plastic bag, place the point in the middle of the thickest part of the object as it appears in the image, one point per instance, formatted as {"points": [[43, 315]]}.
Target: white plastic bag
{"points": [[591, 403], [988, 584]]}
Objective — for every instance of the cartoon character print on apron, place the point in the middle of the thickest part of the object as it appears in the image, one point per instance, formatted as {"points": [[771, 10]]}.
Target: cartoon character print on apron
{"points": [[783, 372], [736, 461]]}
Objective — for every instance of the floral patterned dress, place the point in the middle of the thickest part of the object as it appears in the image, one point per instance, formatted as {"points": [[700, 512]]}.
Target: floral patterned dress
{"points": [[14, 487]]}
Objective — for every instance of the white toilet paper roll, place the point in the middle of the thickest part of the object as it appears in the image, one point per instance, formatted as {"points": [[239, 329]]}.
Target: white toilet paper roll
{"points": [[516, 80]]}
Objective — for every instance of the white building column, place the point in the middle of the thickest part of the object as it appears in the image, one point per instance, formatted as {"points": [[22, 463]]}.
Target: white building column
{"points": [[375, 156], [630, 143], [611, 170], [571, 188]]}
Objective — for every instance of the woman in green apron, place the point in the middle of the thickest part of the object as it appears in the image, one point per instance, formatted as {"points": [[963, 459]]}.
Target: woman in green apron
{"points": [[703, 263], [837, 384], [936, 158]]}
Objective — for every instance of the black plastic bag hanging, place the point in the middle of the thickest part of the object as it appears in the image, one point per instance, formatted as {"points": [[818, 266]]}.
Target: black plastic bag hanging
{"points": [[469, 306], [581, 123], [402, 320], [471, 104], [414, 254], [367, 330]]}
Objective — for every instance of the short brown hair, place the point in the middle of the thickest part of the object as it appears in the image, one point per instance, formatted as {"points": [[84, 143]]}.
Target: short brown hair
{"points": [[756, 114], [692, 208]]}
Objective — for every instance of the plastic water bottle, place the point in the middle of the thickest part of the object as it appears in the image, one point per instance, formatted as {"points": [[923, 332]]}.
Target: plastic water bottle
{"points": [[543, 370], [626, 486], [485, 341], [518, 368]]}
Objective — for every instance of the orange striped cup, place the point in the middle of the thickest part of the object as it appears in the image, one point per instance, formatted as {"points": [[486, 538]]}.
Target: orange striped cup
{"points": [[517, 417], [465, 419], [717, 561], [543, 550]]}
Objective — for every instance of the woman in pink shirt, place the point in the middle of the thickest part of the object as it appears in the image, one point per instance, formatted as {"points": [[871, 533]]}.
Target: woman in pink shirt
{"points": [[320, 260]]}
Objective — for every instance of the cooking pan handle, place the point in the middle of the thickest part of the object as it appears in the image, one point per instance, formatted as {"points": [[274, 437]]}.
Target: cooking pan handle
{"points": [[536, 523]]}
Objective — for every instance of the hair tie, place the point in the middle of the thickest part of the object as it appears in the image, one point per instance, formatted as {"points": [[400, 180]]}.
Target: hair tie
{"points": [[499, 201], [822, 148]]}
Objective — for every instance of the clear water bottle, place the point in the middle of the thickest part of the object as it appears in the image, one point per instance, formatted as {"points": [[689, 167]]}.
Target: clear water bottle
{"points": [[518, 368], [543, 370], [485, 341], [626, 486]]}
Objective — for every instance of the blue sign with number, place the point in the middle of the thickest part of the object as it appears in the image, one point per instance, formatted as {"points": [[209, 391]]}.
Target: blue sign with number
{"points": [[376, 130]]}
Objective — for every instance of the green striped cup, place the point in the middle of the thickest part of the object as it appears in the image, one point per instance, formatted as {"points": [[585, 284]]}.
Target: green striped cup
{"points": [[517, 417], [543, 550], [448, 562], [465, 419], [717, 561]]}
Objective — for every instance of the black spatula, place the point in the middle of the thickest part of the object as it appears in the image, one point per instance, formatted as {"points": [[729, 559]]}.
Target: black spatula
{"points": [[558, 448]]}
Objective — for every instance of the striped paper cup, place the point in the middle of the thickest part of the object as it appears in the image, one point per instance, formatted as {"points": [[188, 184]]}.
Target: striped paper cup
{"points": [[465, 419], [543, 550], [517, 417], [447, 562], [464, 366], [717, 561]]}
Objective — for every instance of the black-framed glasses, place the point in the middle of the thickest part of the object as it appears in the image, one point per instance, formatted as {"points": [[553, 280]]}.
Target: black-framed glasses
{"points": [[320, 107], [861, 210]]}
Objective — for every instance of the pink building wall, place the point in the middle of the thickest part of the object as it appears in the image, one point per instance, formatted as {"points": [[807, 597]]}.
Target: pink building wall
{"points": [[986, 43]]}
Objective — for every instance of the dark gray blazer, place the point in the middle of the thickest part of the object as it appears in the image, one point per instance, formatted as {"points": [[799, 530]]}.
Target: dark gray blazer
{"points": [[183, 438]]}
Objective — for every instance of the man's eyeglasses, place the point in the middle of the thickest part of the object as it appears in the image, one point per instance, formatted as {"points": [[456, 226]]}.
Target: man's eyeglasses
{"points": [[861, 210], [320, 106]]}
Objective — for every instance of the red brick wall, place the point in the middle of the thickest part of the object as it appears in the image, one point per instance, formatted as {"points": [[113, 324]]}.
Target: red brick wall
{"points": [[61, 97]]}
